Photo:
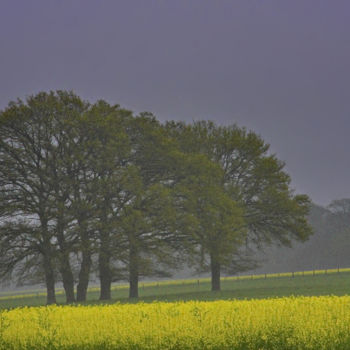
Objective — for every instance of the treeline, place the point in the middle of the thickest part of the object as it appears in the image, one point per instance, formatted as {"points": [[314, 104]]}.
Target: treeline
{"points": [[94, 189], [327, 248]]}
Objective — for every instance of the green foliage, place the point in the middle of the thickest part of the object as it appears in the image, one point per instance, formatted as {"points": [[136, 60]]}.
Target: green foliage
{"points": [[91, 187], [253, 178]]}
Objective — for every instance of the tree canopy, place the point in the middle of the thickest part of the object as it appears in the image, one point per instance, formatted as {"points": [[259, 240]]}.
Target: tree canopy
{"points": [[94, 189], [254, 179]]}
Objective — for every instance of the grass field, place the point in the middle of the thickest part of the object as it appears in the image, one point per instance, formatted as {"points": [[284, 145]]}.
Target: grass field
{"points": [[245, 287]]}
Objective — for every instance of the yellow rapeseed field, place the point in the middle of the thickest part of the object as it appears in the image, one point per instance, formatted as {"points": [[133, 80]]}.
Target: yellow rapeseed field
{"points": [[284, 323]]}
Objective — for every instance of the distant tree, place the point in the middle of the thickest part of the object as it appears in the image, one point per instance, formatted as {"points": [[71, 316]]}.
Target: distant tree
{"points": [[340, 213], [252, 178], [338, 229]]}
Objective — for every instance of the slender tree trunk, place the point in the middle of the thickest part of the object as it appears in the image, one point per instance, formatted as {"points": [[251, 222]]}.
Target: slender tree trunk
{"points": [[49, 281], [215, 274], [105, 275], [133, 272], [65, 268], [48, 262], [84, 275], [85, 267], [104, 268], [104, 259], [68, 279]]}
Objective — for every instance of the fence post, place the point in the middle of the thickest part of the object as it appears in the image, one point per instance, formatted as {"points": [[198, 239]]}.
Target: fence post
{"points": [[293, 274]]}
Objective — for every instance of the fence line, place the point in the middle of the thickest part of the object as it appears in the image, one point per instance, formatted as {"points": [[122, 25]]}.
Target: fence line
{"points": [[199, 281], [287, 274]]}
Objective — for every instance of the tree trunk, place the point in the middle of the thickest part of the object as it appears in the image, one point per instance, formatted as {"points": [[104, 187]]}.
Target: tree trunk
{"points": [[215, 274], [105, 275], [65, 268], [49, 281], [48, 257], [104, 259], [86, 262], [133, 273], [68, 279], [84, 275], [66, 273]]}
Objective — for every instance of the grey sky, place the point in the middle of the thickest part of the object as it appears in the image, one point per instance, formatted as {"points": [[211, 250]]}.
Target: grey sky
{"points": [[281, 68]]}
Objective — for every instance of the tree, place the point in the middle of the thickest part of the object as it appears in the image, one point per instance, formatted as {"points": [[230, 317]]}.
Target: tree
{"points": [[110, 175], [77, 175], [39, 143], [85, 175], [145, 226], [253, 178], [340, 213], [337, 223], [218, 226], [145, 217], [27, 136]]}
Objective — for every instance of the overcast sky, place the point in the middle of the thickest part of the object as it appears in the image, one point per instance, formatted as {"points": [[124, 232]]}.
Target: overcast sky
{"points": [[280, 68]]}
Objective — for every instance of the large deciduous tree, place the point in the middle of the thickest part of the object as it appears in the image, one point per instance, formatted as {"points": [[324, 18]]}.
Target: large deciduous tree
{"points": [[111, 174], [48, 185], [144, 214], [253, 177], [217, 226], [35, 156]]}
